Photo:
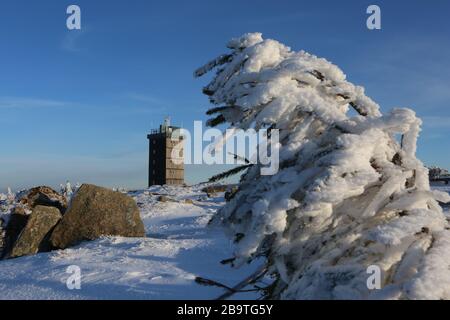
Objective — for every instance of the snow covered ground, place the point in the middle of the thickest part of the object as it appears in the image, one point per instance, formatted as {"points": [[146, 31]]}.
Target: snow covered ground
{"points": [[444, 188], [178, 248]]}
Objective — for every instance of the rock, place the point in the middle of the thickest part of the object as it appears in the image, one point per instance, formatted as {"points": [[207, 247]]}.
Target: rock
{"points": [[2, 236], [211, 191], [16, 223], [44, 196], [164, 198], [188, 201], [94, 212], [35, 236]]}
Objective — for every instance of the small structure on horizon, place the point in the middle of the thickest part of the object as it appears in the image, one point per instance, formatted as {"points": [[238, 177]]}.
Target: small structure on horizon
{"points": [[166, 165], [437, 174]]}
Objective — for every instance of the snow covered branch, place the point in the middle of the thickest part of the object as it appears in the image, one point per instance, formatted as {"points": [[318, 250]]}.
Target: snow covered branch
{"points": [[348, 194]]}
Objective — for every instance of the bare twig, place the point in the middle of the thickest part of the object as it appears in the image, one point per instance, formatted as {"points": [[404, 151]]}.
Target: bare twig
{"points": [[249, 280]]}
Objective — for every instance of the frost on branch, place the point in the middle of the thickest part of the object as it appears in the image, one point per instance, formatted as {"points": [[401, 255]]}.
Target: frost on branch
{"points": [[350, 192]]}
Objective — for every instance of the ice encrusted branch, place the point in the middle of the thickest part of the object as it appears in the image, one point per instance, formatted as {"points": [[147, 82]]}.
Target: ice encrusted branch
{"points": [[349, 192]]}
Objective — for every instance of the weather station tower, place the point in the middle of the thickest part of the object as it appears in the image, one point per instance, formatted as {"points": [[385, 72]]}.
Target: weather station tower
{"points": [[166, 152]]}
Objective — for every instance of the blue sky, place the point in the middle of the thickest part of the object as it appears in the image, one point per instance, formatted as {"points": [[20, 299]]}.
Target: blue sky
{"points": [[77, 104]]}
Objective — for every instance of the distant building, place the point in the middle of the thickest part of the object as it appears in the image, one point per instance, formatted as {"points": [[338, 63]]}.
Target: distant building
{"points": [[437, 174], [162, 170]]}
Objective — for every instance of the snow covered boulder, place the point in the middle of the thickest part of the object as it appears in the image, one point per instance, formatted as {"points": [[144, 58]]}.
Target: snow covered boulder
{"points": [[34, 237], [212, 190], [163, 198], [2, 236], [44, 196], [16, 222], [215, 188], [95, 211]]}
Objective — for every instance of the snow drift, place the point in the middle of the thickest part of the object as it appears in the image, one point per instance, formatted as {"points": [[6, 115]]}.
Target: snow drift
{"points": [[350, 192]]}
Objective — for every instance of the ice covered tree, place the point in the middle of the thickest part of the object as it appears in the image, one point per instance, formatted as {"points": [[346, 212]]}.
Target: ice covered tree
{"points": [[67, 190], [11, 197], [350, 192]]}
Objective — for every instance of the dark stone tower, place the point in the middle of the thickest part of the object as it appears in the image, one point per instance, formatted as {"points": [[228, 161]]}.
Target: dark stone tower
{"points": [[161, 169]]}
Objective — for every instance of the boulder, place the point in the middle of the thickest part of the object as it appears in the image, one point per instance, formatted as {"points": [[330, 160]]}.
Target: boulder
{"points": [[212, 190], [94, 212], [16, 223], [35, 236], [2, 236], [164, 198], [44, 196]]}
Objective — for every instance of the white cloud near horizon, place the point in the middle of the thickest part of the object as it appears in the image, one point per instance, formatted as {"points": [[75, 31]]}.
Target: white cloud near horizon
{"points": [[23, 102]]}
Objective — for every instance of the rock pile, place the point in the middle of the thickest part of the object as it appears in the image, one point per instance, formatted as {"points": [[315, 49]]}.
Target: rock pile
{"points": [[42, 220]]}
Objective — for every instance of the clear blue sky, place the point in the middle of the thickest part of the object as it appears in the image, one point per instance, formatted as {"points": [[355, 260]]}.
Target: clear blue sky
{"points": [[77, 104]]}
